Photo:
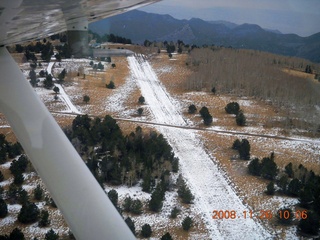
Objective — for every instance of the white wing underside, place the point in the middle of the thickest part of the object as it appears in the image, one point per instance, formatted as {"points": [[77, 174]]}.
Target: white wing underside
{"points": [[24, 20]]}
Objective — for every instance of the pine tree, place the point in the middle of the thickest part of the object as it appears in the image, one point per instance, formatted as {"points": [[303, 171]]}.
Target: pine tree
{"points": [[270, 188], [174, 212], [244, 149], [236, 144], [86, 99], [29, 213], [185, 194], [294, 187], [254, 167], [44, 218], [187, 223], [240, 119], [16, 234], [146, 231], [136, 206], [23, 197], [285, 216], [289, 170], [127, 204], [166, 236], [38, 193], [141, 100], [51, 235], [192, 109], [232, 108], [309, 225], [269, 169]]}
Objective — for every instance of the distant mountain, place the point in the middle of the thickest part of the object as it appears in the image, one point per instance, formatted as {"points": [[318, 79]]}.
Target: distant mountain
{"points": [[139, 26]]}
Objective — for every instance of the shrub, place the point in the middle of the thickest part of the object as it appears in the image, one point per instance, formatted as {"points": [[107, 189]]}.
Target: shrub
{"points": [[3, 208], [86, 98]]}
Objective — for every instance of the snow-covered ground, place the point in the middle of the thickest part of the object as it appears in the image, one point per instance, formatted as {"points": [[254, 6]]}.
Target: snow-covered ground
{"points": [[63, 95], [209, 185]]}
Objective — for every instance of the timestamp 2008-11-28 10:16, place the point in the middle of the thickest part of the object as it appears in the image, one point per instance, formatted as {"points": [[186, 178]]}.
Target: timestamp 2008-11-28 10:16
{"points": [[260, 214]]}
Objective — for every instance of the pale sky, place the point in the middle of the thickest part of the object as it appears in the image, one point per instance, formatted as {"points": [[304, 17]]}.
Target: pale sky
{"points": [[288, 16]]}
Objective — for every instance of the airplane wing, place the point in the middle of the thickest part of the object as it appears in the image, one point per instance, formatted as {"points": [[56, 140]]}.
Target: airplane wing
{"points": [[24, 20], [83, 203]]}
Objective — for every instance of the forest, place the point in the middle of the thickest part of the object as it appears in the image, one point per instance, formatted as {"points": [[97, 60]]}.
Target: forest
{"points": [[261, 75]]}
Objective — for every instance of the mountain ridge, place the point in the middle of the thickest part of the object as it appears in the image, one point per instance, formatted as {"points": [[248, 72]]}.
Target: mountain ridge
{"points": [[139, 26]]}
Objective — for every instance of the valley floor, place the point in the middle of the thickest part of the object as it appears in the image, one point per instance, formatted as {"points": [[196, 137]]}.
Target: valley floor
{"points": [[217, 183]]}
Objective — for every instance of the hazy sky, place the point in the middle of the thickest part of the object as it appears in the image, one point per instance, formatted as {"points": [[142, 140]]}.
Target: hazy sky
{"points": [[288, 16]]}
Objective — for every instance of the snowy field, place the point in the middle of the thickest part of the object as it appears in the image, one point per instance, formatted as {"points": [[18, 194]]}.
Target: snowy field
{"points": [[211, 189]]}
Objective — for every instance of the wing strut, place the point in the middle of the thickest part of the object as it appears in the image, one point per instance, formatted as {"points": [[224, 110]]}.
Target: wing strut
{"points": [[83, 203]]}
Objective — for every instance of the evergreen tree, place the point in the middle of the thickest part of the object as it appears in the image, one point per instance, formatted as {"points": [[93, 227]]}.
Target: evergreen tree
{"points": [[175, 165], [140, 111], [240, 119], [23, 197], [184, 193], [33, 78], [270, 188], [232, 108], [18, 178], [130, 224], [306, 197], [244, 149], [48, 82], [294, 187], [86, 99], [204, 111], [236, 144], [3, 208], [16, 234], [127, 204], [136, 206], [213, 90], [269, 169], [187, 223], [146, 182], [38, 193], [283, 183], [174, 212], [111, 85], [207, 120], [51, 235], [192, 109], [157, 197], [285, 216], [289, 170], [141, 100], [44, 218], [29, 213], [254, 167], [146, 231], [113, 196], [309, 225], [166, 236]]}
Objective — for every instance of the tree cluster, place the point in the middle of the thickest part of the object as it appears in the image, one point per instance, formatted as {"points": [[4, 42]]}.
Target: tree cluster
{"points": [[117, 159], [8, 150], [243, 147], [267, 168]]}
